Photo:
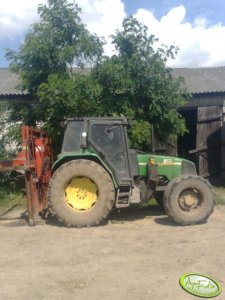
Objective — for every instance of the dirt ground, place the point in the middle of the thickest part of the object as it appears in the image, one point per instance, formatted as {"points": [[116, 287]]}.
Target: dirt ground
{"points": [[139, 254]]}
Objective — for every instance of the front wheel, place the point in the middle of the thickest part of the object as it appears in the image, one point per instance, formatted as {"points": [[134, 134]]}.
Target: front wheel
{"points": [[189, 199], [81, 193]]}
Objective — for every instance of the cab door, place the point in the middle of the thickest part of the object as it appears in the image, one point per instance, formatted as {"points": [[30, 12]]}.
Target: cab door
{"points": [[110, 141]]}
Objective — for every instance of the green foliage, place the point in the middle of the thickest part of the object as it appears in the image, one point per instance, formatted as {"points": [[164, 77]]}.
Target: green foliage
{"points": [[220, 194], [26, 111], [55, 44], [10, 135], [134, 82], [44, 62], [9, 199], [62, 98], [140, 135]]}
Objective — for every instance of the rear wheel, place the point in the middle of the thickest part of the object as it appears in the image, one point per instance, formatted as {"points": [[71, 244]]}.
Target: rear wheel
{"points": [[81, 193], [189, 199]]}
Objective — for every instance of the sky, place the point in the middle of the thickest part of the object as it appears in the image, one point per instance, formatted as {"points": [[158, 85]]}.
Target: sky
{"points": [[196, 27]]}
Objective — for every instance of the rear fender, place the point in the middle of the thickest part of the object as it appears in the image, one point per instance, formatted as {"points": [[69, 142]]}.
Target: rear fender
{"points": [[91, 157]]}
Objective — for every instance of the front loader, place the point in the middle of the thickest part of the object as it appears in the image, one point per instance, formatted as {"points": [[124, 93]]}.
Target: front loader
{"points": [[34, 161], [97, 172]]}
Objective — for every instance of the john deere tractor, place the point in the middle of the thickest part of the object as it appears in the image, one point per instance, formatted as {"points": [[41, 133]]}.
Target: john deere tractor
{"points": [[96, 172]]}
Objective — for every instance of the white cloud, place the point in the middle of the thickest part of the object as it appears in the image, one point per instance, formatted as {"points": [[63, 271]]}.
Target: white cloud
{"points": [[200, 45], [103, 17], [16, 16]]}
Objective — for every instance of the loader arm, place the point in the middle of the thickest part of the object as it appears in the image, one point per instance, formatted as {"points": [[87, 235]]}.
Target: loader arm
{"points": [[35, 161]]}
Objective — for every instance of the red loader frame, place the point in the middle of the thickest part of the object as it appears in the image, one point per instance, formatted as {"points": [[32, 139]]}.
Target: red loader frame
{"points": [[35, 161]]}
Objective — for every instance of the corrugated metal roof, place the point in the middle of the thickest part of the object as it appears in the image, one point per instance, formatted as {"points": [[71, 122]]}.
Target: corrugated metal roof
{"points": [[203, 80], [10, 84], [198, 80]]}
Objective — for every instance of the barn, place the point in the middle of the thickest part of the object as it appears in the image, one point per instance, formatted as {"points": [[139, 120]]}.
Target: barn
{"points": [[10, 86], [204, 114]]}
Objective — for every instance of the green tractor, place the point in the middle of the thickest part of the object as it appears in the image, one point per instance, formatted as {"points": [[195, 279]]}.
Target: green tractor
{"points": [[97, 172]]}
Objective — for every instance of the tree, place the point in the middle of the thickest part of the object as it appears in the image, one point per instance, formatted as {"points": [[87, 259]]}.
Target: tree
{"points": [[8, 149], [61, 98], [8, 133], [136, 83], [45, 61], [54, 45]]}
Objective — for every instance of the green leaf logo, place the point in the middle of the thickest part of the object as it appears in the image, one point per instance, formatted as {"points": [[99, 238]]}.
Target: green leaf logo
{"points": [[200, 285]]}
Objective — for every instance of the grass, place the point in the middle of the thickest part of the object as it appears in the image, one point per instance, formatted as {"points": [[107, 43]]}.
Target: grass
{"points": [[11, 199], [18, 199], [220, 195], [152, 203]]}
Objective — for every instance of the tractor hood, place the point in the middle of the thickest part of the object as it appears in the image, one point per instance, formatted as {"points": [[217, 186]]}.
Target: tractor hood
{"points": [[167, 166]]}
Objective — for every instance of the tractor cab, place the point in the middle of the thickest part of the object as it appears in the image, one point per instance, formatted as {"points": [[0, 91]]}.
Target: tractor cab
{"points": [[107, 139]]}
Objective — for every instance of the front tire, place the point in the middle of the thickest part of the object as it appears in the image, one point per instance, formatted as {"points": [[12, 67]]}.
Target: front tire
{"points": [[81, 193], [189, 199]]}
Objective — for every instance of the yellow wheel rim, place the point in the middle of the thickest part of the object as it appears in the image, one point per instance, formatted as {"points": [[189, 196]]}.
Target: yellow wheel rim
{"points": [[81, 193]]}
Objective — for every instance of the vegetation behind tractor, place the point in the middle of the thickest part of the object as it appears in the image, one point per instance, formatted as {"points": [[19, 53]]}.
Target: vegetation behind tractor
{"points": [[96, 171]]}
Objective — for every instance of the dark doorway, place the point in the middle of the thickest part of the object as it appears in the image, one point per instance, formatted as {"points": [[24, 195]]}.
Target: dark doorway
{"points": [[209, 140], [204, 139], [187, 142]]}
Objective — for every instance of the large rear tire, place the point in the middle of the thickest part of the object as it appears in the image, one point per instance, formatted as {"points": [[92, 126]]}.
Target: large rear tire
{"points": [[81, 193], [189, 199]]}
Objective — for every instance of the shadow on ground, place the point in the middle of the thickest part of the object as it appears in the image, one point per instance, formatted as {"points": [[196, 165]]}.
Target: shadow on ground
{"points": [[121, 216], [15, 217], [134, 214]]}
